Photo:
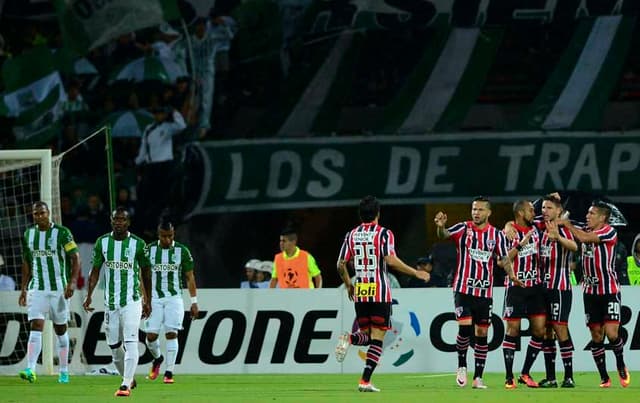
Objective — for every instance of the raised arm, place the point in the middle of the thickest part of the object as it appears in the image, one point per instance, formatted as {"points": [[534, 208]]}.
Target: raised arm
{"points": [[554, 234], [441, 221], [581, 235]]}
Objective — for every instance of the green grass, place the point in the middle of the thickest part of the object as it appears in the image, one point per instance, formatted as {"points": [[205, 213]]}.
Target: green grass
{"points": [[430, 388]]}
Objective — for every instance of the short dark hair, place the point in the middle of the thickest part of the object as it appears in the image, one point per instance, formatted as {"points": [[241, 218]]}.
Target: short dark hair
{"points": [[120, 209], [165, 224], [553, 199], [289, 233], [369, 208], [40, 203], [603, 208], [483, 199], [519, 205]]}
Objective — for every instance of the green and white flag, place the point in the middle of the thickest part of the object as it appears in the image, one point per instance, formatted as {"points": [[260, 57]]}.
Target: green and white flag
{"points": [[88, 24], [575, 95], [34, 96], [445, 83]]}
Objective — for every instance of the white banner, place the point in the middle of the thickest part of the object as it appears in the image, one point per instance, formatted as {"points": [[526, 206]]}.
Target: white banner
{"points": [[295, 331]]}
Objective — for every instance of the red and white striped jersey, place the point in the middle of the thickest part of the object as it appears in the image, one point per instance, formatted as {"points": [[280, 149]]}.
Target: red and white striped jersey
{"points": [[526, 263], [598, 263], [555, 260], [475, 258], [365, 247]]}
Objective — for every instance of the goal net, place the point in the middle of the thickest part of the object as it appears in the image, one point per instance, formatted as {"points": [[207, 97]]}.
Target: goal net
{"points": [[27, 176]]}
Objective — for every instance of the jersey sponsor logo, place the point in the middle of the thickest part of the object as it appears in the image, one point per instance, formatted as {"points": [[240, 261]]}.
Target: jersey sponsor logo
{"points": [[117, 265], [363, 237], [43, 253], [366, 289], [478, 283], [480, 255], [545, 250], [528, 275], [591, 280], [164, 267], [528, 250]]}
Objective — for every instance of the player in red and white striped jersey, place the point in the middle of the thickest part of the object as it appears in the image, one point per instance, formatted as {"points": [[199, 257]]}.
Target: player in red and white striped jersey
{"points": [[526, 301], [601, 290], [370, 248], [556, 248], [477, 243]]}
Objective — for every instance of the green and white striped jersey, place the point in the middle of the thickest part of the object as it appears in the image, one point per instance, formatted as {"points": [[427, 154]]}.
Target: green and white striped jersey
{"points": [[167, 266], [122, 262], [46, 254]]}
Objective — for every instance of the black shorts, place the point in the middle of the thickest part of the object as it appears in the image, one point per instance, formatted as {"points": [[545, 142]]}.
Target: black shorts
{"points": [[601, 309], [558, 303], [523, 302], [373, 314], [476, 308]]}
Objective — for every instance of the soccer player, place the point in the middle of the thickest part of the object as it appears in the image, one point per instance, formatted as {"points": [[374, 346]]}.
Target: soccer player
{"points": [[370, 248], [169, 261], [48, 249], [526, 301], [477, 242], [127, 293], [556, 248], [601, 290]]}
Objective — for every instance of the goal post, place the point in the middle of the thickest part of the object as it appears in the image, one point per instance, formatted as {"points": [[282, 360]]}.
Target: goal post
{"points": [[18, 167]]}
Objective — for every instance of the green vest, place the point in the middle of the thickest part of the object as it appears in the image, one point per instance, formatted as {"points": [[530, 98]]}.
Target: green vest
{"points": [[633, 271]]}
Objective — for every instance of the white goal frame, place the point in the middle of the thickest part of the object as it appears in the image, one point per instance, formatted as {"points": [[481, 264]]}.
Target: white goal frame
{"points": [[43, 158]]}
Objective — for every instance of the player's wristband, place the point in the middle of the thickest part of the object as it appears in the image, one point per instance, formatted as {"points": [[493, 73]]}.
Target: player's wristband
{"points": [[194, 300]]}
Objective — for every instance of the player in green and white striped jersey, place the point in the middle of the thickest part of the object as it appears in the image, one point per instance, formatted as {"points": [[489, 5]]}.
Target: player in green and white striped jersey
{"points": [[48, 250], [169, 261], [126, 297]]}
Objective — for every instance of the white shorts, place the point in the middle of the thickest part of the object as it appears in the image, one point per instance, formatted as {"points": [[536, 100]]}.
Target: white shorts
{"points": [[123, 323], [167, 312], [41, 304]]}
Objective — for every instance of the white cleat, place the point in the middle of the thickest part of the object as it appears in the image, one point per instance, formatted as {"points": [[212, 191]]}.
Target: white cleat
{"points": [[367, 387], [461, 376], [478, 384], [344, 341]]}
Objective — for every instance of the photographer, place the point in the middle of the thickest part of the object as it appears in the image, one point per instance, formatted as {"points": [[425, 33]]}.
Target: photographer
{"points": [[155, 158]]}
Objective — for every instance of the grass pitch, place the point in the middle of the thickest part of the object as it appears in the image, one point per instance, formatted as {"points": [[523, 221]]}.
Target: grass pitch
{"points": [[432, 388]]}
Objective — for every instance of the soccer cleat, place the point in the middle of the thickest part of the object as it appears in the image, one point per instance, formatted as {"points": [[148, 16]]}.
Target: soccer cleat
{"points": [[510, 384], [168, 377], [525, 379], [478, 384], [568, 383], [63, 377], [344, 341], [123, 391], [545, 383], [367, 387], [28, 375], [605, 383], [625, 377], [461, 376], [155, 368]]}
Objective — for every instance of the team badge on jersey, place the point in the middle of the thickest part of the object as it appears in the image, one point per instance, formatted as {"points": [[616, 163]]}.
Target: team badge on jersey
{"points": [[51, 243], [175, 259], [491, 243]]}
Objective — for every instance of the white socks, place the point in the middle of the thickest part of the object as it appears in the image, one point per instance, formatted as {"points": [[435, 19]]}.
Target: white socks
{"points": [[34, 347], [63, 352], [118, 359], [130, 361], [154, 348], [172, 354]]}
